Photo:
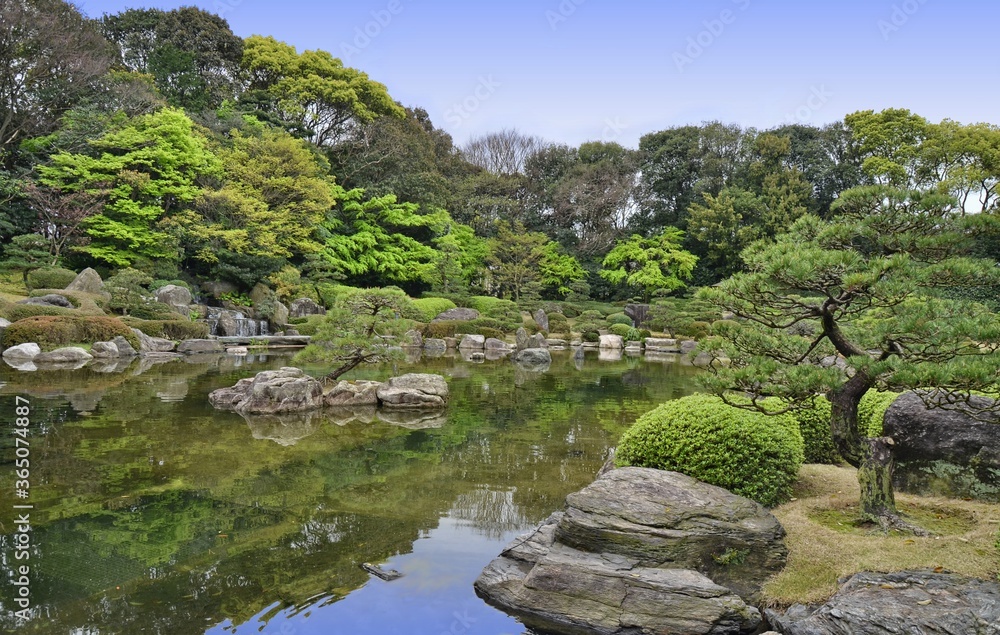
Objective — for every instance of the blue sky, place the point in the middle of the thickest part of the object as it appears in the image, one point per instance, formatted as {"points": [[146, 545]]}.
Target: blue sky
{"points": [[578, 70]]}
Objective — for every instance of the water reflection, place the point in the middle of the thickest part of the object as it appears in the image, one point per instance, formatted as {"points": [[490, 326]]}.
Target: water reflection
{"points": [[157, 514]]}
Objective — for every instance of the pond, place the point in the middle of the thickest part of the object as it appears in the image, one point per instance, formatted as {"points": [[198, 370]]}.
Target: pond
{"points": [[154, 513]]}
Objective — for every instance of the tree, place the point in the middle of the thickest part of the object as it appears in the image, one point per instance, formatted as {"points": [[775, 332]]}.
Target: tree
{"points": [[515, 260], [460, 261], [50, 57], [861, 287], [650, 263], [129, 289], [151, 167], [62, 214], [359, 329], [502, 153], [24, 253], [312, 93], [889, 142]]}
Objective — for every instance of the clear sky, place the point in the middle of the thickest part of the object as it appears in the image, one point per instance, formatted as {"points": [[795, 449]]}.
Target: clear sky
{"points": [[577, 70]]}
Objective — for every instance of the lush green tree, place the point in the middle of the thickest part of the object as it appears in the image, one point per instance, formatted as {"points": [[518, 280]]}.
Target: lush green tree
{"points": [[16, 216], [860, 287], [50, 57], [722, 227], [192, 54], [151, 168], [515, 260], [889, 142], [129, 289], [485, 198], [313, 93], [359, 329], [460, 261], [650, 263], [963, 160], [26, 252], [559, 270], [827, 157]]}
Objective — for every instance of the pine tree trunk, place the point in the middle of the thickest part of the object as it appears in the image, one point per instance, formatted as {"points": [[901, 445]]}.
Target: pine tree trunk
{"points": [[875, 478]]}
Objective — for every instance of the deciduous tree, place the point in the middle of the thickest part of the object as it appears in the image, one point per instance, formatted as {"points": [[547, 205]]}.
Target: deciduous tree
{"points": [[650, 263]]}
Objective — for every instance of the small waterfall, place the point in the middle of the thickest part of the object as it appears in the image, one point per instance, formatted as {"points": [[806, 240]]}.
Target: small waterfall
{"points": [[222, 322]]}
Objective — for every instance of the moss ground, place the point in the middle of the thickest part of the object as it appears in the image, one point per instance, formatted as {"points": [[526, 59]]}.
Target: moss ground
{"points": [[825, 543]]}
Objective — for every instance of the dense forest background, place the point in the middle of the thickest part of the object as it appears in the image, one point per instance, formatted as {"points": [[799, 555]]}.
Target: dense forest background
{"points": [[160, 141]]}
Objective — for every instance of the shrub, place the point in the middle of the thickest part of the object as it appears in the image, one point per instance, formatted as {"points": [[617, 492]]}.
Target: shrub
{"points": [[50, 278], [872, 409], [570, 310], [54, 331], [15, 312], [619, 318], [441, 330], [748, 453], [426, 309], [309, 324], [169, 329], [814, 423], [591, 336], [503, 310], [720, 326], [153, 311], [558, 323], [159, 284], [622, 330], [696, 330]]}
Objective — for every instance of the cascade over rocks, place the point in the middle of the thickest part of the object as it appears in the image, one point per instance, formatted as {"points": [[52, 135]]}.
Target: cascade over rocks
{"points": [[641, 551], [902, 602]]}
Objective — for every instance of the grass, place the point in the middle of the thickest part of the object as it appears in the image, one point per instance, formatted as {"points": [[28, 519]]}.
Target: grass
{"points": [[825, 544]]}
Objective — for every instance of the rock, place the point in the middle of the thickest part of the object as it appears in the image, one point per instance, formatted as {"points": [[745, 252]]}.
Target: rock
{"points": [[635, 552], [284, 429], [493, 344], [688, 346], [304, 307], [414, 390], [3, 326], [945, 451], [612, 342], [451, 343], [216, 289], [66, 355], [353, 393], [104, 350], [280, 317], [149, 344], [578, 357], [22, 352], [385, 574], [413, 419], [610, 355], [176, 297], [541, 320], [239, 351], [198, 311], [51, 299], [292, 332], [662, 345], [229, 324], [902, 602], [460, 314], [124, 347], [271, 392], [537, 341], [433, 344], [473, 342], [413, 339], [535, 360], [191, 347], [521, 337], [557, 344], [87, 281]]}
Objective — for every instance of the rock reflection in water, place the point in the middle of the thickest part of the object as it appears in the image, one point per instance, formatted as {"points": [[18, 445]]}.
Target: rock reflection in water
{"points": [[284, 429]]}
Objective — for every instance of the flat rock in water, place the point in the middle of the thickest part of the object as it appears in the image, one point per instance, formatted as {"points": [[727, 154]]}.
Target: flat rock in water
{"points": [[902, 602], [353, 393], [414, 390], [67, 355], [22, 352], [192, 347], [473, 342], [271, 392], [536, 360]]}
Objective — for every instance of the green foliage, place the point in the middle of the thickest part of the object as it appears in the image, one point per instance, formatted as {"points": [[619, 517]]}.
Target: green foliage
{"points": [[236, 298], [675, 315], [159, 284], [505, 311], [51, 332], [696, 330], [24, 253], [129, 289], [308, 325], [622, 330], [442, 329], [748, 453], [558, 323], [619, 318], [152, 311], [50, 278], [429, 308], [169, 329], [871, 411], [650, 263], [814, 423], [590, 322], [13, 312], [720, 326], [485, 326], [591, 337]]}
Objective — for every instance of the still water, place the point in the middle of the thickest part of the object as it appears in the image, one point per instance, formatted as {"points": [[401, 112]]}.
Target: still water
{"points": [[155, 514]]}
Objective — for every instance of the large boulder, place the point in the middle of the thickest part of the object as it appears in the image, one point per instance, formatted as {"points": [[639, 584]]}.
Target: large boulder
{"points": [[51, 299], [304, 307], [460, 314], [473, 342], [125, 348], [280, 317], [178, 298], [87, 281], [951, 451], [353, 393], [662, 345], [538, 340], [640, 551], [67, 355], [536, 360], [521, 337], [902, 602], [194, 347], [541, 319], [271, 392], [149, 344], [612, 342], [437, 345], [413, 339], [22, 352], [104, 350], [414, 390], [494, 344]]}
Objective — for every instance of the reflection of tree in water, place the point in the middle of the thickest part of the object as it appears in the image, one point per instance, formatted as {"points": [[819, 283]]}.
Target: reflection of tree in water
{"points": [[164, 517]]}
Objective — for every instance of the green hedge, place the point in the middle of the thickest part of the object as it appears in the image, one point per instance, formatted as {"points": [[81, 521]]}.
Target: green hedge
{"points": [[426, 309], [619, 318], [14, 312], [872, 409], [50, 278], [170, 329], [497, 308], [628, 333], [814, 423], [307, 325], [558, 323], [748, 453], [441, 330], [54, 331]]}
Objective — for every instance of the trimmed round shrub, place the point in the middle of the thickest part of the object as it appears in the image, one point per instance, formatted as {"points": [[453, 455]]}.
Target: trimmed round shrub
{"points": [[748, 453], [558, 323], [16, 312], [696, 330], [426, 309], [622, 330], [591, 337], [503, 310], [50, 278], [570, 310], [871, 411], [720, 326], [440, 330], [54, 331], [619, 318]]}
